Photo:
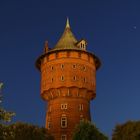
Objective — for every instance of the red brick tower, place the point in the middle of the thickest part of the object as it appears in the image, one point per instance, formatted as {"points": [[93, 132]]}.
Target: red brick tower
{"points": [[68, 83]]}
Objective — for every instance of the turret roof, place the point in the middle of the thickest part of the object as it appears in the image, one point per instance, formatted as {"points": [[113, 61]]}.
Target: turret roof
{"points": [[67, 40]]}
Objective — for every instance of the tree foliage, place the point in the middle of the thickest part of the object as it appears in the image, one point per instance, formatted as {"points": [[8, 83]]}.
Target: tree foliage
{"points": [[87, 131], [5, 116], [23, 131], [127, 131]]}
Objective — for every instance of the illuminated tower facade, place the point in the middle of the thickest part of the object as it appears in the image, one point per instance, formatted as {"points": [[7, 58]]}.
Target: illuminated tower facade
{"points": [[68, 83]]}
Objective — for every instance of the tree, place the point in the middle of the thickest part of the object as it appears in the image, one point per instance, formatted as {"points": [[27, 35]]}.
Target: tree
{"points": [[2, 130], [24, 131], [87, 131], [127, 131], [4, 115]]}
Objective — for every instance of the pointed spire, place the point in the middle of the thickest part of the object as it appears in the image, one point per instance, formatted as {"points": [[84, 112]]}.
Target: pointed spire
{"points": [[67, 40], [67, 23]]}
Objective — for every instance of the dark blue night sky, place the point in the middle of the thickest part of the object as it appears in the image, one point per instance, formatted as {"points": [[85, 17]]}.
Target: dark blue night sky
{"points": [[112, 29]]}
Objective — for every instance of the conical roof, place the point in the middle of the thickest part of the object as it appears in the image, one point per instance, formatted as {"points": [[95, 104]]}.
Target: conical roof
{"points": [[67, 40]]}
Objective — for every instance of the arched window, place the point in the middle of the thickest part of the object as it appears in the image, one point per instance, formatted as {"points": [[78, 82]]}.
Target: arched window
{"points": [[74, 78], [62, 78], [62, 66]]}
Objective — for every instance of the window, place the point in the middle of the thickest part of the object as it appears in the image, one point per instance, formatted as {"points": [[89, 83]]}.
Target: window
{"points": [[51, 79], [74, 66], [49, 125], [84, 68], [84, 79], [63, 121], [83, 45], [74, 78], [80, 107], [63, 137], [62, 66], [62, 78], [52, 68], [63, 106]]}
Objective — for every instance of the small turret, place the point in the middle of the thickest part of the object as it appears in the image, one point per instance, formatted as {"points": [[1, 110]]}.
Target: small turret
{"points": [[67, 40], [46, 47]]}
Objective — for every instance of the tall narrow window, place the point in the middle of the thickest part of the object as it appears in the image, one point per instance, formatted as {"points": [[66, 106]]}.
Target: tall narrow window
{"points": [[49, 125], [74, 78], [80, 107], [63, 121], [62, 78], [84, 79], [63, 137], [81, 45], [52, 68], [62, 66]]}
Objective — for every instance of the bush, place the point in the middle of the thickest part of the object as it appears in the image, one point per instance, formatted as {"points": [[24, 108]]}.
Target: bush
{"points": [[87, 131]]}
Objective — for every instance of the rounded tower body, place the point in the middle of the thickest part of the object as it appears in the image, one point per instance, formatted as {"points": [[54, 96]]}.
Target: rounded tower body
{"points": [[68, 83]]}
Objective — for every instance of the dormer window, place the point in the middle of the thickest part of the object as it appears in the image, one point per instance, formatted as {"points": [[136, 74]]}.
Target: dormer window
{"points": [[82, 44]]}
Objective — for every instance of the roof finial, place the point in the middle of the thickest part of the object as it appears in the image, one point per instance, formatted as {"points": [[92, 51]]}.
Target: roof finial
{"points": [[67, 23]]}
